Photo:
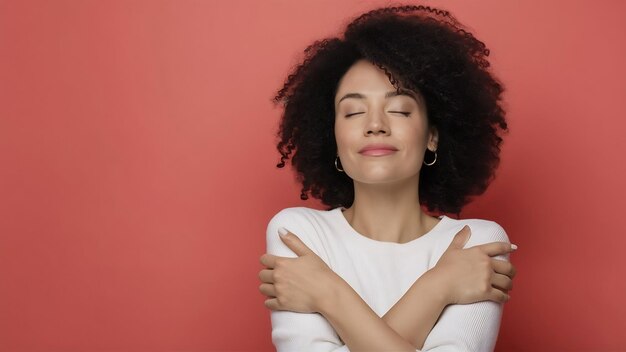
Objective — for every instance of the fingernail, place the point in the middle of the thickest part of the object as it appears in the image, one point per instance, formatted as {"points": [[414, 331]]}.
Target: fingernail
{"points": [[513, 246], [282, 231]]}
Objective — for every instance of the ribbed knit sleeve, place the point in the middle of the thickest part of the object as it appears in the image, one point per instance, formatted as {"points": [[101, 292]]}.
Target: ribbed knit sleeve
{"points": [[294, 332], [470, 327]]}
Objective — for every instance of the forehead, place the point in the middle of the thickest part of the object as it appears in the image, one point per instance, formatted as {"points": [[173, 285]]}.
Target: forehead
{"points": [[363, 75], [366, 79]]}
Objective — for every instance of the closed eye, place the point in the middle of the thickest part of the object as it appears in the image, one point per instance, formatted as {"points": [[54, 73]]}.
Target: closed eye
{"points": [[354, 113], [405, 113]]}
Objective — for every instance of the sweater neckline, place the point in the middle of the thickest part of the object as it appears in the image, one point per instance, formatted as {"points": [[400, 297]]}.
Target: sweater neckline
{"points": [[360, 237]]}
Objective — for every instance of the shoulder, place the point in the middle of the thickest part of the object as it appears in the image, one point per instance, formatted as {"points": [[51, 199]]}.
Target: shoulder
{"points": [[482, 232], [298, 220], [297, 215], [301, 221]]}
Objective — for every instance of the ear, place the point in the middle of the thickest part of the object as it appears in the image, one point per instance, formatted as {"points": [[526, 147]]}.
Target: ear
{"points": [[433, 138]]}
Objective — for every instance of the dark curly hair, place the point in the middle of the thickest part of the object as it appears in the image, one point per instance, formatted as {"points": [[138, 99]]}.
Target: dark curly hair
{"points": [[422, 49]]}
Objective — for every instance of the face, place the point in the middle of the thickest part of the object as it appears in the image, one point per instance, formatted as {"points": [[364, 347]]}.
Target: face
{"points": [[381, 136]]}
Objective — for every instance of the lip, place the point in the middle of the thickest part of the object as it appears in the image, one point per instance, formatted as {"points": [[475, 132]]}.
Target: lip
{"points": [[378, 150]]}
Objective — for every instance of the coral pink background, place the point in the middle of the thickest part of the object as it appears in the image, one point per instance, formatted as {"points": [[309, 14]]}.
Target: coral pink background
{"points": [[138, 168]]}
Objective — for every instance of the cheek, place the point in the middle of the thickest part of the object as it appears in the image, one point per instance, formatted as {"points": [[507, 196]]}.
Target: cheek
{"points": [[343, 135], [415, 137]]}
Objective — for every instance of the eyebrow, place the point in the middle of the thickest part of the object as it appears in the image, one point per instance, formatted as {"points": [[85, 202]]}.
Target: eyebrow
{"points": [[387, 95]]}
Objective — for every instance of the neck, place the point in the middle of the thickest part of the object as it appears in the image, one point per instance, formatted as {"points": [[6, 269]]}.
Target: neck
{"points": [[389, 212]]}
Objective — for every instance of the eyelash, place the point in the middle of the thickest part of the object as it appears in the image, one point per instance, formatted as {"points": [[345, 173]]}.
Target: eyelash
{"points": [[405, 113]]}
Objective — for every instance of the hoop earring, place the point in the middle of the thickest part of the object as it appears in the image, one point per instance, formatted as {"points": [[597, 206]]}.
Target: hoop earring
{"points": [[337, 167], [432, 162]]}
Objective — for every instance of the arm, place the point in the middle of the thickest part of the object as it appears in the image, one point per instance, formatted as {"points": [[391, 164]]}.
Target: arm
{"points": [[345, 311], [359, 326], [475, 326], [462, 277], [292, 331], [415, 314], [352, 318]]}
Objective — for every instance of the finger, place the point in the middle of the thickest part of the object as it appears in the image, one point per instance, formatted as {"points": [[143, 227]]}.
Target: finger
{"points": [[461, 238], [269, 260], [267, 276], [272, 304], [496, 248], [497, 295], [502, 282], [504, 267], [293, 242], [268, 290]]}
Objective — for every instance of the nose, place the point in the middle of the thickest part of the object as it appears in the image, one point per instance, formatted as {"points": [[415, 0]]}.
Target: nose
{"points": [[376, 124]]}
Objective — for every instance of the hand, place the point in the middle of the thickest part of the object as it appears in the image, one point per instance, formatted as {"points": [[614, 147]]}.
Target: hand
{"points": [[294, 284], [471, 275]]}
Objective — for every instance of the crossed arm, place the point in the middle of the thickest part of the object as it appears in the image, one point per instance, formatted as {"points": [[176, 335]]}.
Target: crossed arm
{"points": [[305, 284]]}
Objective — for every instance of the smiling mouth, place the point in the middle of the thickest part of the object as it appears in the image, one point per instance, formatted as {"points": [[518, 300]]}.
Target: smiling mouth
{"points": [[378, 150]]}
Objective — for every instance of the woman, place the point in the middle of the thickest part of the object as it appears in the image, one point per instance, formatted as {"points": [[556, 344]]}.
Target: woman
{"points": [[397, 119]]}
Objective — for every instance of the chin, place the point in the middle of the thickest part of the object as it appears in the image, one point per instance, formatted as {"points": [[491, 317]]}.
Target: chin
{"points": [[378, 179], [385, 177]]}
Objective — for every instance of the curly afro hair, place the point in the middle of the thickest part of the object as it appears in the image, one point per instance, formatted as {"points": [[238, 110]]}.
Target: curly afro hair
{"points": [[420, 48]]}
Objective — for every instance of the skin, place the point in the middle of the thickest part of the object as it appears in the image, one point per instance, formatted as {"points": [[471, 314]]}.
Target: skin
{"points": [[386, 208], [386, 204]]}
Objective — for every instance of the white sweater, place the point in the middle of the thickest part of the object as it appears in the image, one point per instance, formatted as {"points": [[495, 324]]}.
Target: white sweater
{"points": [[381, 272]]}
